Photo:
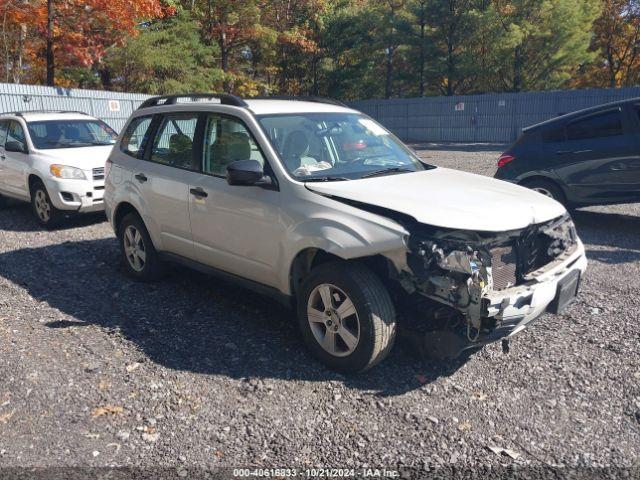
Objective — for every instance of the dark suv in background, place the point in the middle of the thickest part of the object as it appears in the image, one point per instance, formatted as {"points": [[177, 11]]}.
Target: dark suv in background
{"points": [[588, 157]]}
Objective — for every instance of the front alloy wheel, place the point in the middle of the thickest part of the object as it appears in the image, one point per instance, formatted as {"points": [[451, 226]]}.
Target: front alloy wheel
{"points": [[46, 213], [346, 316], [333, 320], [42, 205]]}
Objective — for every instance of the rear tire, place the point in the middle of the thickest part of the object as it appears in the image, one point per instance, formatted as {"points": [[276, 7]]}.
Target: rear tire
{"points": [[139, 256], [46, 214], [548, 189], [357, 329]]}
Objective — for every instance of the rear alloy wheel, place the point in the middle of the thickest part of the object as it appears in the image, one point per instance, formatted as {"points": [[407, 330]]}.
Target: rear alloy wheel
{"points": [[46, 214], [548, 189], [139, 255], [346, 317]]}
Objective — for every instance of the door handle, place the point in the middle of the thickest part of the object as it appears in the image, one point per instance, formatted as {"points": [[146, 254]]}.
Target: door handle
{"points": [[3, 157], [572, 152], [198, 192], [617, 167], [141, 177]]}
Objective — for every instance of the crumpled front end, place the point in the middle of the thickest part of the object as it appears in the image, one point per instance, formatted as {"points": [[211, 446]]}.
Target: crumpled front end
{"points": [[487, 286]]}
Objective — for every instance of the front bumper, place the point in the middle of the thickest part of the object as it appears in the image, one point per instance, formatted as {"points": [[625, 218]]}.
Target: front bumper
{"points": [[521, 305], [508, 311], [82, 196]]}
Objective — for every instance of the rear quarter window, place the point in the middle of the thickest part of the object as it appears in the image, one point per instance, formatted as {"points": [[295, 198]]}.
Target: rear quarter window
{"points": [[136, 137]]}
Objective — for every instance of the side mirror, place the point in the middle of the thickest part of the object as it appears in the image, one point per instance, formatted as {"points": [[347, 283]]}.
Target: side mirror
{"points": [[247, 173], [13, 146]]}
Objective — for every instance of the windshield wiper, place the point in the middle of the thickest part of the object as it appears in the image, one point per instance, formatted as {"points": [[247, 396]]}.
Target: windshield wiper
{"points": [[326, 179], [385, 171]]}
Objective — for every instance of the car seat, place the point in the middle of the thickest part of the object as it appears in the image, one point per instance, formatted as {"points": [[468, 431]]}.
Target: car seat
{"points": [[295, 151], [180, 151], [228, 148]]}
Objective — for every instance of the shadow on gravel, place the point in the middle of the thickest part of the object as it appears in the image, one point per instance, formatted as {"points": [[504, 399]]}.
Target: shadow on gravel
{"points": [[608, 229], [614, 257], [191, 322], [18, 217]]}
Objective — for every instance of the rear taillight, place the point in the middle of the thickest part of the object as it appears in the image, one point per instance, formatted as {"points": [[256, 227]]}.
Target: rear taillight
{"points": [[504, 159], [107, 167]]}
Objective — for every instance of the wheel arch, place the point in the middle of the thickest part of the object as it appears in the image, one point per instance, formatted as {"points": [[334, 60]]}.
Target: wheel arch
{"points": [[311, 257], [31, 181], [124, 208]]}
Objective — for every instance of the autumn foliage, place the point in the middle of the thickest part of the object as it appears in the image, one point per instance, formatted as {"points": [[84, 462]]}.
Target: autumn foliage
{"points": [[342, 48]]}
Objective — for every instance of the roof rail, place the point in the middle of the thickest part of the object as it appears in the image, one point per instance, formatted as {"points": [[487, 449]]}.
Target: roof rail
{"points": [[225, 99], [314, 99], [20, 114]]}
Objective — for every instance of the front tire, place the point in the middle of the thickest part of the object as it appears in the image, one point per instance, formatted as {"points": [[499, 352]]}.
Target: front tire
{"points": [[139, 256], [46, 214], [346, 317]]}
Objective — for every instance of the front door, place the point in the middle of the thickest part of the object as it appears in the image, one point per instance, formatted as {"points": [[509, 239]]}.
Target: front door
{"points": [[236, 229], [16, 163]]}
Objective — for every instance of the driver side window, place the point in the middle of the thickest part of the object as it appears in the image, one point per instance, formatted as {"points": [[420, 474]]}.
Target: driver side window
{"points": [[16, 133], [4, 126], [227, 140]]}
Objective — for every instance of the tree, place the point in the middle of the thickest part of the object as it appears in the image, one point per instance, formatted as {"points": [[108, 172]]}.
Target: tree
{"points": [[17, 39], [616, 43], [232, 25], [542, 42], [167, 56], [418, 29], [352, 54], [451, 34]]}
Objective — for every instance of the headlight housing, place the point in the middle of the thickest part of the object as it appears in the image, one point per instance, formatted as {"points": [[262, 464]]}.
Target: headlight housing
{"points": [[66, 172]]}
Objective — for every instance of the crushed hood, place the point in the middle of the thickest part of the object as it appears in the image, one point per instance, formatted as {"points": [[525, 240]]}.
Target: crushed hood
{"points": [[449, 199], [85, 158]]}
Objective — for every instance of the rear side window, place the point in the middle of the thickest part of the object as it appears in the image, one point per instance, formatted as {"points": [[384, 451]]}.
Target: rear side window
{"points": [[554, 134], [136, 136], [173, 144], [608, 124]]}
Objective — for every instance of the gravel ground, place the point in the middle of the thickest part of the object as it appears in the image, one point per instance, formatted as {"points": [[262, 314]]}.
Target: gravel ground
{"points": [[98, 370]]}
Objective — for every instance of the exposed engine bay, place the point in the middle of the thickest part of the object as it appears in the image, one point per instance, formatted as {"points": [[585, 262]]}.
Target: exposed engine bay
{"points": [[459, 271]]}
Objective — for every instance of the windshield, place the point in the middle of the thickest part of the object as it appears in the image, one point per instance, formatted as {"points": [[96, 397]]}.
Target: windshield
{"points": [[50, 134], [337, 146]]}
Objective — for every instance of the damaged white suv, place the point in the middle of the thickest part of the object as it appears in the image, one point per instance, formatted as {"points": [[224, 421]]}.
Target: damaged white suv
{"points": [[319, 205]]}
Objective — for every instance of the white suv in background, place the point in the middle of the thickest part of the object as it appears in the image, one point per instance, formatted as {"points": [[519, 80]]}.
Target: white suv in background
{"points": [[55, 160], [322, 207]]}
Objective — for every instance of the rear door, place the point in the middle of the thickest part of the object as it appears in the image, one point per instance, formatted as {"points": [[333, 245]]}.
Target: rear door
{"points": [[599, 156], [170, 165]]}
